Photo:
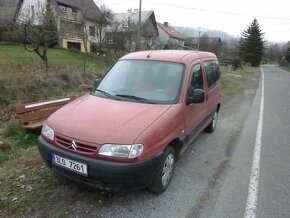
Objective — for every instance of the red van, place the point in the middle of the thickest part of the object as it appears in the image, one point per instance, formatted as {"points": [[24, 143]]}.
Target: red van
{"points": [[143, 114]]}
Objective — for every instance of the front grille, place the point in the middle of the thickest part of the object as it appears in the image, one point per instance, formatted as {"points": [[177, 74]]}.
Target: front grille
{"points": [[82, 147]]}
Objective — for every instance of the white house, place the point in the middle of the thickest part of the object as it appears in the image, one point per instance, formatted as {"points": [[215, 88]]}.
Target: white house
{"points": [[74, 19]]}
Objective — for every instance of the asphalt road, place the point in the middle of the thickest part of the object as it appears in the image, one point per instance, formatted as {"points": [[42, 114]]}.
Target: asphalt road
{"points": [[273, 191], [212, 178]]}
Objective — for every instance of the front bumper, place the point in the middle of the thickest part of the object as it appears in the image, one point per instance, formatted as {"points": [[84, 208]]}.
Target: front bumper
{"points": [[107, 175]]}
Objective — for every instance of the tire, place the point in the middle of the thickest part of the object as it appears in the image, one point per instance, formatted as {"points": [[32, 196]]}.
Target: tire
{"points": [[164, 172], [212, 126]]}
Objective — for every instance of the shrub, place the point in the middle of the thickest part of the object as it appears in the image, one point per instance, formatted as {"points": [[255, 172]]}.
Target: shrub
{"points": [[237, 63], [22, 138]]}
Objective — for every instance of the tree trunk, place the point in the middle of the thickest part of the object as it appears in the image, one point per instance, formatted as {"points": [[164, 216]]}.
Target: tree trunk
{"points": [[85, 61], [100, 38], [44, 57], [45, 62]]}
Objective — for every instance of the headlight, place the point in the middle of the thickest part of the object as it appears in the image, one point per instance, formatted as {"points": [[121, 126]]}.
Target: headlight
{"points": [[47, 132], [115, 150]]}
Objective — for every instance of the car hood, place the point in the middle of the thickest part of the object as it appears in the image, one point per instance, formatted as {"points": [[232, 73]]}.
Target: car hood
{"points": [[101, 120]]}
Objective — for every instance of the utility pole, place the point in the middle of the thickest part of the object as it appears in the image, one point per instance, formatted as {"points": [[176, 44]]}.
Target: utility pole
{"points": [[198, 40], [139, 27]]}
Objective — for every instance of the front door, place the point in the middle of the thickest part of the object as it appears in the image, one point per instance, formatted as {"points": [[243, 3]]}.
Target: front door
{"points": [[196, 112]]}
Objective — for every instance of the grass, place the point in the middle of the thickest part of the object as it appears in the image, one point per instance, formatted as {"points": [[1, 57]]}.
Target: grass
{"points": [[286, 69], [26, 185], [30, 189], [14, 58], [15, 138], [231, 82], [6, 11], [22, 77]]}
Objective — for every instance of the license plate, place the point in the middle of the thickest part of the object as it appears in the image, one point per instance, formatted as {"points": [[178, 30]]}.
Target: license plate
{"points": [[72, 165]]}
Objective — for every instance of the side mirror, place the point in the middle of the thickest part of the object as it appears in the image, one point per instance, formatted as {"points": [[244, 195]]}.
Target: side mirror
{"points": [[195, 96]]}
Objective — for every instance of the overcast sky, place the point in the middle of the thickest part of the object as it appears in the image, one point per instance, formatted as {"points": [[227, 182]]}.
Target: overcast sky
{"points": [[226, 15]]}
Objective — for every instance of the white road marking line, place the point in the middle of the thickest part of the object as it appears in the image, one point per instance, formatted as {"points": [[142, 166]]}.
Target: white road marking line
{"points": [[251, 206]]}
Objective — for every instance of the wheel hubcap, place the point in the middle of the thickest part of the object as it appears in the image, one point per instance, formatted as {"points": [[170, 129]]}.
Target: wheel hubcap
{"points": [[214, 121], [167, 169]]}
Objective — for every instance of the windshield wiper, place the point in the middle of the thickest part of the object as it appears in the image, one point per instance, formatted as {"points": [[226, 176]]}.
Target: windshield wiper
{"points": [[107, 94], [140, 99]]}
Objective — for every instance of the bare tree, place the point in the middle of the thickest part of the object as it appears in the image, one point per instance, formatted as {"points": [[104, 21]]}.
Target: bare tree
{"points": [[149, 36], [203, 42], [38, 31], [130, 29], [104, 20], [117, 37], [274, 51], [124, 35], [84, 32]]}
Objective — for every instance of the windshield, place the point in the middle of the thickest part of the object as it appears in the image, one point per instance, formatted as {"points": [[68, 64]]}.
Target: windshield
{"points": [[144, 81]]}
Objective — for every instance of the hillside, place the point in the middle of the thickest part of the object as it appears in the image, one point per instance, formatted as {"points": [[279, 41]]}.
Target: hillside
{"points": [[22, 76], [193, 32]]}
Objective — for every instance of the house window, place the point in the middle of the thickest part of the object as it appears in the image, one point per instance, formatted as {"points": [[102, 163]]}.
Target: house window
{"points": [[92, 31], [110, 39], [63, 8]]}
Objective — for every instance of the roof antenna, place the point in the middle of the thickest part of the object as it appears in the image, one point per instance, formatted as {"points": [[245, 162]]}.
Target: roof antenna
{"points": [[148, 56]]}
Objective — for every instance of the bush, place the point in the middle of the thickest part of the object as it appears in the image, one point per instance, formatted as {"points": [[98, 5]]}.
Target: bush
{"points": [[7, 34], [237, 63], [166, 47], [22, 138], [94, 48]]}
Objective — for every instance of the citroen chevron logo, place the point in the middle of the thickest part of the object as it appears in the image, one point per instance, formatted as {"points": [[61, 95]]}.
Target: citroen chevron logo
{"points": [[73, 145]]}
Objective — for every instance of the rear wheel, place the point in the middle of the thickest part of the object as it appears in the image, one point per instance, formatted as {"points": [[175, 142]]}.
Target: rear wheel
{"points": [[211, 127], [164, 172]]}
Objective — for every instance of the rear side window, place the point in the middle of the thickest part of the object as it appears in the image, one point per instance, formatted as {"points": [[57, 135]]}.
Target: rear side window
{"points": [[212, 73]]}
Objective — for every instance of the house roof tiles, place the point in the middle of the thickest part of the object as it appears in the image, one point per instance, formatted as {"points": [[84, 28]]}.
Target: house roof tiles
{"points": [[170, 31], [91, 10], [119, 17]]}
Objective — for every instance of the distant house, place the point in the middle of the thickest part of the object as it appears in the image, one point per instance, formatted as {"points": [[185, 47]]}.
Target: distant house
{"points": [[204, 43], [123, 32], [169, 37], [7, 12], [75, 19]]}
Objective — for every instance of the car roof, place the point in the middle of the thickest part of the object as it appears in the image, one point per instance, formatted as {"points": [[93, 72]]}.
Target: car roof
{"points": [[183, 56]]}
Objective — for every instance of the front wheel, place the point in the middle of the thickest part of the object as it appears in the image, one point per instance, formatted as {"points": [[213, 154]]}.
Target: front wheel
{"points": [[211, 127], [164, 171]]}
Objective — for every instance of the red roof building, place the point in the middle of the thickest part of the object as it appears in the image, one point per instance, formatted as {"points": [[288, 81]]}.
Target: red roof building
{"points": [[169, 37]]}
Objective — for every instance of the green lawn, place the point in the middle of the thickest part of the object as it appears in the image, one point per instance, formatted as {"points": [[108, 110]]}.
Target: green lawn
{"points": [[14, 59], [6, 11], [231, 82], [23, 79]]}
